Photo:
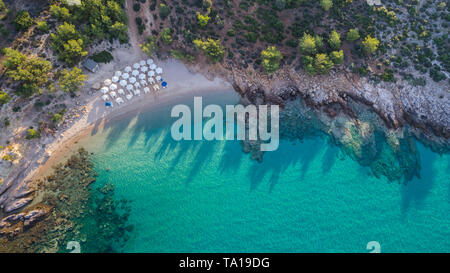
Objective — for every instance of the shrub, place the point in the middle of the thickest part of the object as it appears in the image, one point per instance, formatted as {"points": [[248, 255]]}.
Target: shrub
{"points": [[352, 35], [56, 118], [31, 133], [136, 7], [42, 26], [326, 4], [307, 44], [4, 97], [166, 36], [337, 57], [212, 48], [102, 57], [271, 58], [370, 44], [164, 11], [334, 40], [150, 46], [177, 54], [60, 13], [202, 20], [322, 64], [23, 20]]}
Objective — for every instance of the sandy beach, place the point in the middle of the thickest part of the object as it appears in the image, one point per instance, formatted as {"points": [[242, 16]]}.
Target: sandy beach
{"points": [[94, 114], [182, 84]]}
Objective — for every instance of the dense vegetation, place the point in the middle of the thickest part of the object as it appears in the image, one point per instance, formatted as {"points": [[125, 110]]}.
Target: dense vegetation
{"points": [[377, 41]]}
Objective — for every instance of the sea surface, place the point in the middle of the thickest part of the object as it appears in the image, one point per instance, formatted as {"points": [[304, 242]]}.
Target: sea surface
{"points": [[309, 196]]}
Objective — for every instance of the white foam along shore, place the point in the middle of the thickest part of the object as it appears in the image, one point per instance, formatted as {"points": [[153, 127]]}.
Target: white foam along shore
{"points": [[181, 83]]}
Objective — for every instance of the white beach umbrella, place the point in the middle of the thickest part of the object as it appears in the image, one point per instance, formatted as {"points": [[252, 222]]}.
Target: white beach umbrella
{"points": [[153, 66], [158, 78], [113, 94], [136, 65], [119, 100], [113, 86], [129, 96], [123, 83], [104, 89], [105, 97], [137, 92], [137, 85], [129, 87], [151, 80], [142, 76], [107, 82], [156, 87], [144, 68], [135, 73], [151, 73], [142, 62], [149, 61], [121, 92], [125, 76], [118, 73], [132, 80], [143, 82], [115, 79], [159, 70], [128, 69], [146, 90]]}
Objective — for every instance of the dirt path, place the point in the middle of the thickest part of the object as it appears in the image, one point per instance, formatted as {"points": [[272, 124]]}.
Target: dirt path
{"points": [[144, 13], [132, 27]]}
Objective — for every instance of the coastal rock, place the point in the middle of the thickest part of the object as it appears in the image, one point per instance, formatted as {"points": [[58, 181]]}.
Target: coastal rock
{"points": [[17, 204], [33, 216]]}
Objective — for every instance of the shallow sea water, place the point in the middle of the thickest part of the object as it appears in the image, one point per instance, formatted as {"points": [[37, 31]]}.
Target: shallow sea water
{"points": [[209, 196]]}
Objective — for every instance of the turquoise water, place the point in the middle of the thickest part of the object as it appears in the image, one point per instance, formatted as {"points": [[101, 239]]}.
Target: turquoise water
{"points": [[202, 196]]}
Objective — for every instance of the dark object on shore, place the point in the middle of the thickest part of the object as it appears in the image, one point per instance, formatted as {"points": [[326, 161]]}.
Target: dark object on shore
{"points": [[91, 65]]}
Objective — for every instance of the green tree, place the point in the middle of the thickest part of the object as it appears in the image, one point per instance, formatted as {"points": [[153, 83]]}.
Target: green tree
{"points": [[71, 80], [120, 31], [30, 72], [337, 57], [352, 35], [68, 44], [335, 40], [73, 52], [212, 48], [322, 64], [23, 20], [326, 4], [370, 44], [4, 97], [166, 36], [60, 13], [307, 44], [202, 20], [271, 58]]}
